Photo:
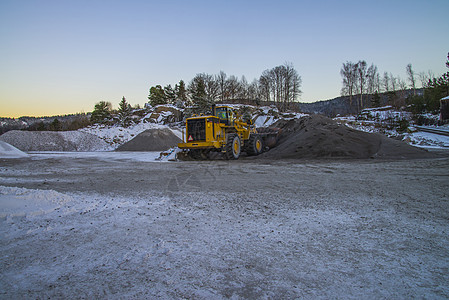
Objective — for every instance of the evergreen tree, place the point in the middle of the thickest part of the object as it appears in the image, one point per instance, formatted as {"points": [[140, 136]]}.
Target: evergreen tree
{"points": [[102, 112], [181, 94], [124, 112], [157, 95], [55, 125], [170, 94], [436, 89], [197, 90], [41, 126]]}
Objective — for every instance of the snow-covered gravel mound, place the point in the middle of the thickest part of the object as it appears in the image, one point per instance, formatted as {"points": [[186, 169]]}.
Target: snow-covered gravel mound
{"points": [[116, 136], [54, 141]]}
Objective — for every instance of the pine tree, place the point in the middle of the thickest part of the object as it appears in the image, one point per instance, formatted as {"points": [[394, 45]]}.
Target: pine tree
{"points": [[181, 94], [124, 112], [197, 89], [55, 125], [170, 95], [157, 95], [102, 112]]}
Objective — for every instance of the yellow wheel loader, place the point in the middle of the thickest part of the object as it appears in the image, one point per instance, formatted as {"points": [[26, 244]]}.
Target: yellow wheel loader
{"points": [[223, 131]]}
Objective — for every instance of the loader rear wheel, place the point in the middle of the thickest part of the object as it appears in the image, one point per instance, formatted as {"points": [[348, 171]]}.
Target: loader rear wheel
{"points": [[232, 147], [254, 145]]}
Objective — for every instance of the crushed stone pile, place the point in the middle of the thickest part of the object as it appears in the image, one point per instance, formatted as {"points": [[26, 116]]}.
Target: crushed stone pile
{"points": [[8, 151], [54, 141], [317, 136], [151, 140]]}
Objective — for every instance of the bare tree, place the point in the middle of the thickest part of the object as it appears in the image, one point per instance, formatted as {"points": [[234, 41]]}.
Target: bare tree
{"points": [[393, 82], [377, 82], [348, 73], [424, 79], [386, 82], [281, 84], [411, 77], [372, 78], [254, 90], [361, 80], [243, 91], [292, 82], [211, 87], [265, 85], [402, 94], [402, 84], [221, 81], [232, 87]]}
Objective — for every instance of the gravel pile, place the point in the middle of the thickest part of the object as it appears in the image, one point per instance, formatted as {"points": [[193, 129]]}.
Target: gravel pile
{"points": [[151, 140], [319, 137], [54, 141]]}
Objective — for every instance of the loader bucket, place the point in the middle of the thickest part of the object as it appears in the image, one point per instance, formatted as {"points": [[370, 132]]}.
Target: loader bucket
{"points": [[270, 136]]}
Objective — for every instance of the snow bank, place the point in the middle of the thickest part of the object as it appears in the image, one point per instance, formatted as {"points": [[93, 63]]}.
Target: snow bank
{"points": [[427, 140], [8, 151], [416, 138], [150, 156]]}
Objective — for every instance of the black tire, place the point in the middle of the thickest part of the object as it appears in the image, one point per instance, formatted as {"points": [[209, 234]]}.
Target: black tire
{"points": [[233, 147], [254, 145]]}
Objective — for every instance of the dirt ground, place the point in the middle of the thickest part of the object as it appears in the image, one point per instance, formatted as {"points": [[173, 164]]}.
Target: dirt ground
{"points": [[229, 229]]}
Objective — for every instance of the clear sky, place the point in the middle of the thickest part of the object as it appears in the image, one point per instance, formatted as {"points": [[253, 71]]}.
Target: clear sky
{"points": [[61, 57]]}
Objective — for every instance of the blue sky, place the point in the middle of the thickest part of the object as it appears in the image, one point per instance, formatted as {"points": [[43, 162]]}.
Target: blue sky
{"points": [[59, 57]]}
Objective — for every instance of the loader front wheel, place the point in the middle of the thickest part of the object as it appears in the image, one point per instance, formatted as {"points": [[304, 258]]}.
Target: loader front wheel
{"points": [[232, 147], [254, 145]]}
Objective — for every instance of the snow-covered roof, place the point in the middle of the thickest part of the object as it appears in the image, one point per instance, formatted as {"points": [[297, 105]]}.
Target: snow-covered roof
{"points": [[445, 98]]}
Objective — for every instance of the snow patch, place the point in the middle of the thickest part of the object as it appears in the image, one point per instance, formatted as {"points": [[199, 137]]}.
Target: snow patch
{"points": [[27, 202], [150, 156]]}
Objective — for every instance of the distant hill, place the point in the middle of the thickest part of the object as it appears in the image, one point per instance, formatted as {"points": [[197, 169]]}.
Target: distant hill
{"points": [[31, 123], [329, 108]]}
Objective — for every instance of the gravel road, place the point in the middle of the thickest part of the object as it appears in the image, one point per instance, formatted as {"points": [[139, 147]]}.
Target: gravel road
{"points": [[242, 229]]}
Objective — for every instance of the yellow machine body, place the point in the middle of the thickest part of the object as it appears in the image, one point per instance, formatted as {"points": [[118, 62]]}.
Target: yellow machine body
{"points": [[213, 131]]}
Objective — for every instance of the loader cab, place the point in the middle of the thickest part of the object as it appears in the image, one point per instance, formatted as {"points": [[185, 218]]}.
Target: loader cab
{"points": [[225, 114]]}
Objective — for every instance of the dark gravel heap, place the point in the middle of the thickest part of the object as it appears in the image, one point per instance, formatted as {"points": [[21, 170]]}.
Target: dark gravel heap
{"points": [[152, 140], [317, 136]]}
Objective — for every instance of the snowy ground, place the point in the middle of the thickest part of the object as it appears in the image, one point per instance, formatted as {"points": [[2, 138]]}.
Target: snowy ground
{"points": [[101, 227], [416, 138]]}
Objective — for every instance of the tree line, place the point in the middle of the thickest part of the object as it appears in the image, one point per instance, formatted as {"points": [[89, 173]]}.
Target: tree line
{"points": [[280, 85], [364, 83]]}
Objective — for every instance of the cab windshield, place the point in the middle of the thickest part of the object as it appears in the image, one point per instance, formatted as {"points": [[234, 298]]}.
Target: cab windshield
{"points": [[221, 112]]}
